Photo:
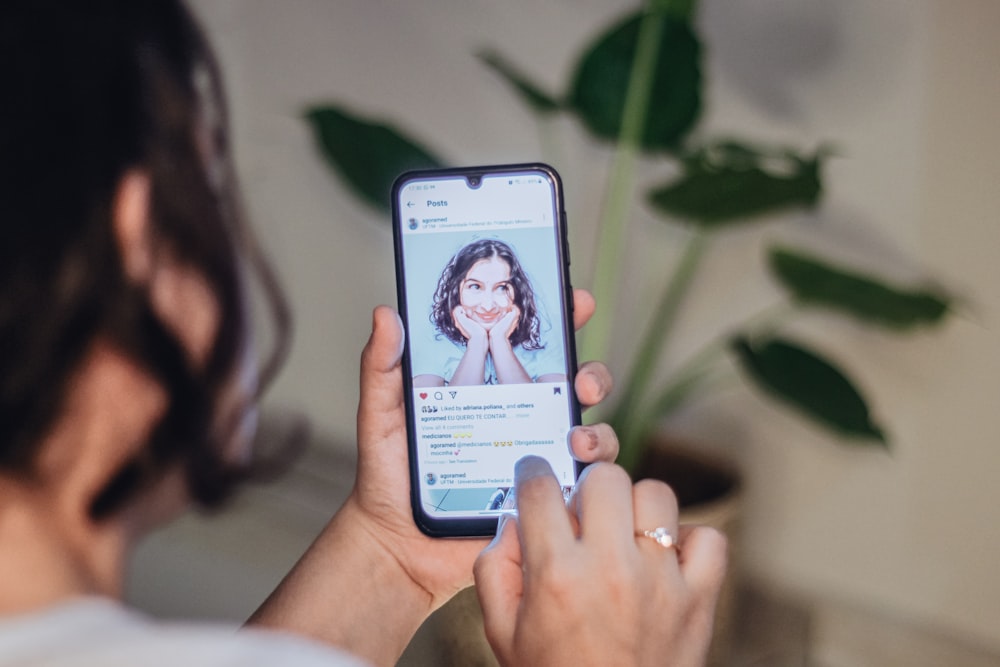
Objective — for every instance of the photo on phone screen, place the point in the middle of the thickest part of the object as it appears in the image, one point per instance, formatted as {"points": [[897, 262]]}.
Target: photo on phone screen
{"points": [[484, 293]]}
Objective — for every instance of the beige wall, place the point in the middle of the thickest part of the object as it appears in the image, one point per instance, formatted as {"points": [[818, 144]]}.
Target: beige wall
{"points": [[906, 89]]}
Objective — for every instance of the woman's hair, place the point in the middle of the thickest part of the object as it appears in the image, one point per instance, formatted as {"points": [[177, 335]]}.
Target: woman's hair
{"points": [[92, 89], [447, 296]]}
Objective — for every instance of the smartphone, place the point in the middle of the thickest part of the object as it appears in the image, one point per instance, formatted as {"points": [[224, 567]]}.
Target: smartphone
{"points": [[482, 275]]}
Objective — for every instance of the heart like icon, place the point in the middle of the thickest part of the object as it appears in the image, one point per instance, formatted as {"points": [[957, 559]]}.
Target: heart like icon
{"points": [[457, 452], [423, 394]]}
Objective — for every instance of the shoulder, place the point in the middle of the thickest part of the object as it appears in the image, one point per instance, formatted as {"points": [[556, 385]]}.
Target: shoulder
{"points": [[548, 359], [94, 632], [434, 354]]}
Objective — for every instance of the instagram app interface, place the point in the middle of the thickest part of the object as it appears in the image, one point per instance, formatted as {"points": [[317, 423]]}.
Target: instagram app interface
{"points": [[487, 349]]}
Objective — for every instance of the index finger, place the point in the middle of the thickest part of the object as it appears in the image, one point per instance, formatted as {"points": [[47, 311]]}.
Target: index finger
{"points": [[543, 522]]}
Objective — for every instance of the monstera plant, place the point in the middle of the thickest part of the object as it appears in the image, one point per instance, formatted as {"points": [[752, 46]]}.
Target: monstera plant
{"points": [[638, 86]]}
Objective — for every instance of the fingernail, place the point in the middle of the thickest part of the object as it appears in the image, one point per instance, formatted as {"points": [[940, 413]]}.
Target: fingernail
{"points": [[592, 439], [402, 334], [528, 467], [598, 382]]}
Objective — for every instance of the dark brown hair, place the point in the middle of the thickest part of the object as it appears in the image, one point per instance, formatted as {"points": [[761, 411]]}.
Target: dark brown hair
{"points": [[94, 88], [447, 296]]}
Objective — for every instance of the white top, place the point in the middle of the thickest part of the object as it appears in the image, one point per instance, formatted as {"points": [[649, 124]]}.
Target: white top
{"points": [[95, 632]]}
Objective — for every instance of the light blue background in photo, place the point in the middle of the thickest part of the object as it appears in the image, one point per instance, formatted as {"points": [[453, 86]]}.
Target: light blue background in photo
{"points": [[426, 255]]}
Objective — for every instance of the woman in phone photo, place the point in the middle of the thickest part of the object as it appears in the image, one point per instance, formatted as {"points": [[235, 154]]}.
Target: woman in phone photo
{"points": [[486, 311]]}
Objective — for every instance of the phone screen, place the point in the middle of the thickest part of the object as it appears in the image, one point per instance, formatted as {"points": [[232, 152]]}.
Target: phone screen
{"points": [[489, 361]]}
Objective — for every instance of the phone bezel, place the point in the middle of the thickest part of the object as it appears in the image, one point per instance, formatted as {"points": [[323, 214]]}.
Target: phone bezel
{"points": [[485, 526]]}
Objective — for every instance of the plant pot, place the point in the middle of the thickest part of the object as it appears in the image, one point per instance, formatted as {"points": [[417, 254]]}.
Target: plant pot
{"points": [[709, 493]]}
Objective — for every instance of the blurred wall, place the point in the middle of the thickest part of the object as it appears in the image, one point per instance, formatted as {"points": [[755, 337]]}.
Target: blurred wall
{"points": [[907, 92]]}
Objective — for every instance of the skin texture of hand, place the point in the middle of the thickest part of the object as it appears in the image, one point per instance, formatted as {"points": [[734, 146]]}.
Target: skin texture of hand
{"points": [[506, 324], [467, 326], [576, 586], [472, 367], [508, 367], [488, 340], [372, 577]]}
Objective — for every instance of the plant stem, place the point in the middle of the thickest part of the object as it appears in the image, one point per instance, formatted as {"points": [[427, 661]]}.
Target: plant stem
{"points": [[547, 141], [679, 8], [629, 413], [689, 376], [686, 378], [611, 230], [669, 400], [768, 319]]}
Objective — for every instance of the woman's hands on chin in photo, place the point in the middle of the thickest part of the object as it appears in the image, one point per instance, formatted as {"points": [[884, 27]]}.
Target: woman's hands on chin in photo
{"points": [[468, 327], [504, 327], [577, 585], [381, 496]]}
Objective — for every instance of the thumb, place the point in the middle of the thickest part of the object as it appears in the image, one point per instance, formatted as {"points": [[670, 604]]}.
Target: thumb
{"points": [[381, 376], [500, 585]]}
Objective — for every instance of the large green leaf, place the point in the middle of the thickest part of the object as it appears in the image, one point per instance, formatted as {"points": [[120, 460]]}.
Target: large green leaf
{"points": [[815, 282], [532, 95], [811, 384], [729, 182], [597, 93], [367, 154]]}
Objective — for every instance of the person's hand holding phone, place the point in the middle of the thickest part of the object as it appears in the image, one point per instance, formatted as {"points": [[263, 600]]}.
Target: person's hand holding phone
{"points": [[383, 479], [372, 552], [582, 586]]}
